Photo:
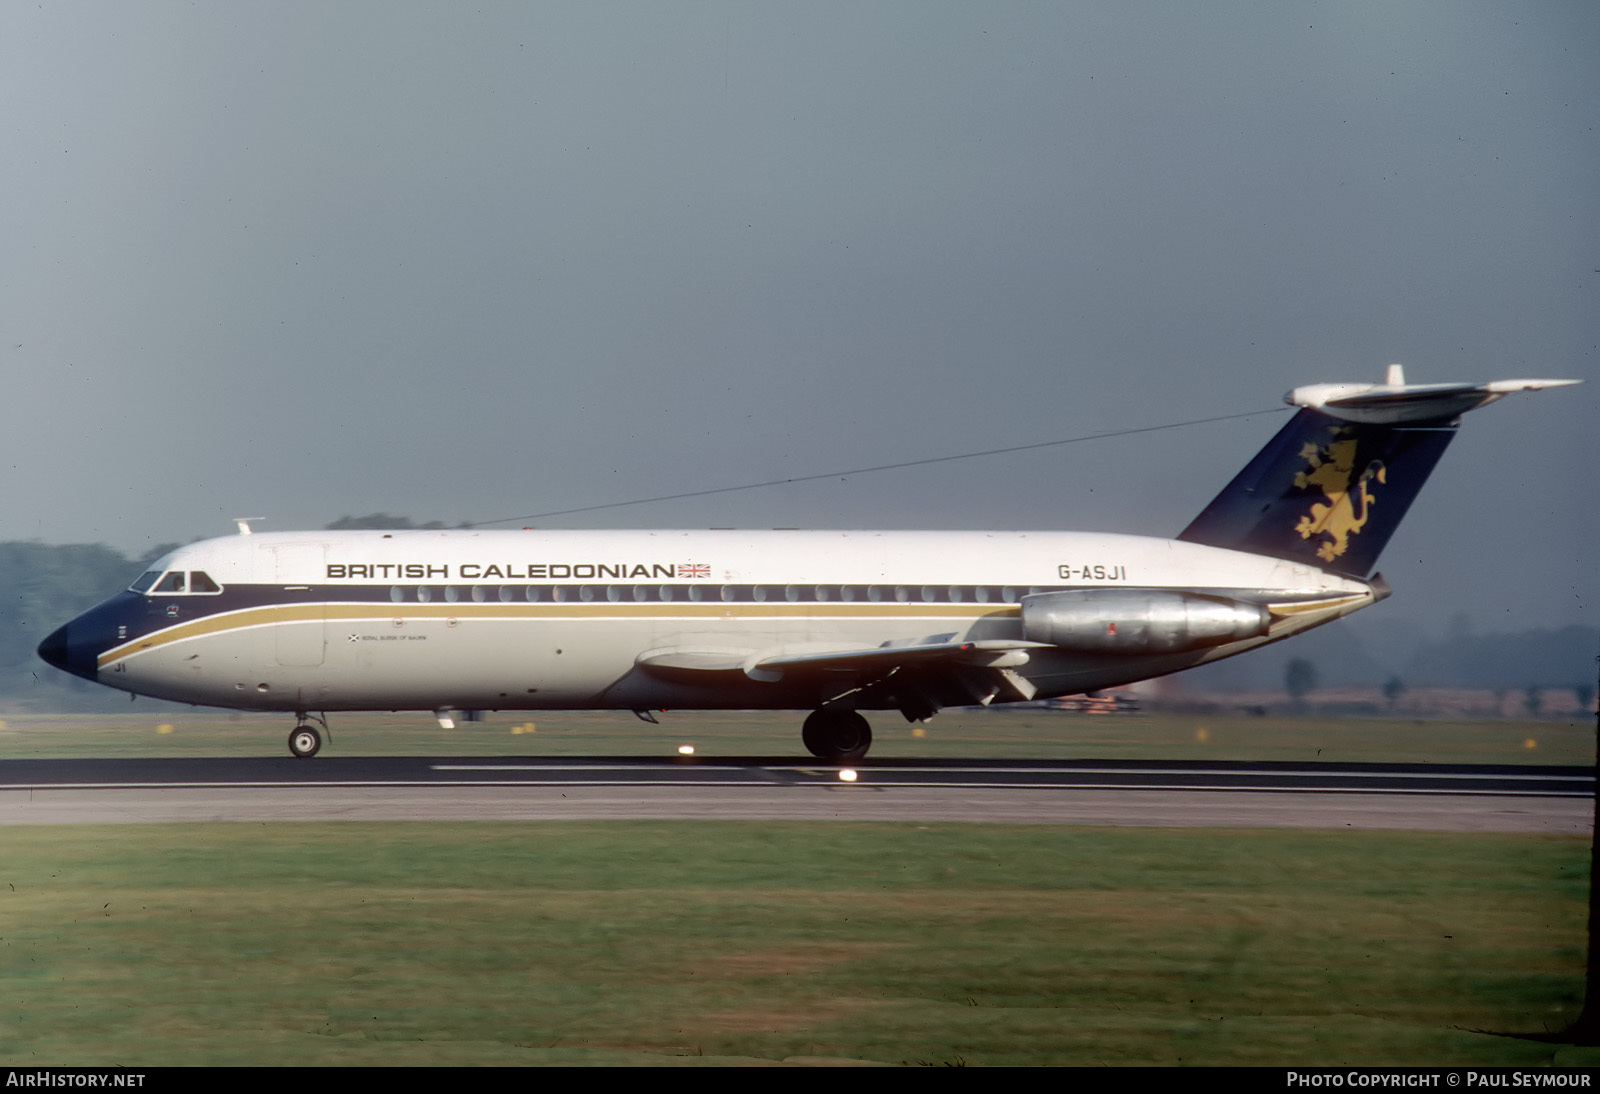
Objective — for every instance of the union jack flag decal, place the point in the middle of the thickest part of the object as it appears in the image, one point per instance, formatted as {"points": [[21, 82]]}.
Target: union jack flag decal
{"points": [[693, 569]]}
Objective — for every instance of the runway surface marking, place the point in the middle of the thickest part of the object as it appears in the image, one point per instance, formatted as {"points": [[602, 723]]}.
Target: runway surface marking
{"points": [[1547, 800]]}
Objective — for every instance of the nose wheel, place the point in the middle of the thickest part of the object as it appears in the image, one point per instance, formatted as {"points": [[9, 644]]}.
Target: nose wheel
{"points": [[305, 741]]}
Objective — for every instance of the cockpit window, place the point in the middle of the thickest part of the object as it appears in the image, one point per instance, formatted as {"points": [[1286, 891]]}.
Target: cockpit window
{"points": [[172, 583], [175, 581]]}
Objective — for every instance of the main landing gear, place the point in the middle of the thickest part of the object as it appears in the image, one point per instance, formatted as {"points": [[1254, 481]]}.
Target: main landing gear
{"points": [[305, 741], [841, 735]]}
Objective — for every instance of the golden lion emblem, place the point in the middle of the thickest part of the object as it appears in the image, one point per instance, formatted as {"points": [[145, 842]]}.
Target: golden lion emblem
{"points": [[1349, 503]]}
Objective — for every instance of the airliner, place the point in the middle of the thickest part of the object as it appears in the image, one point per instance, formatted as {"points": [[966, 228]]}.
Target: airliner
{"points": [[834, 622]]}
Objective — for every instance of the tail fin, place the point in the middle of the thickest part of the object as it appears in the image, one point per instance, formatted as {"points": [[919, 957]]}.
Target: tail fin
{"points": [[1332, 486]]}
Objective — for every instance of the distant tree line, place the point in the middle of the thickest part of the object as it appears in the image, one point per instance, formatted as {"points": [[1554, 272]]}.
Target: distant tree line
{"points": [[384, 522], [1343, 656], [44, 586]]}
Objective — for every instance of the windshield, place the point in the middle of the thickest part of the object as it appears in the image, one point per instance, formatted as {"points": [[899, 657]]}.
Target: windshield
{"points": [[168, 582], [173, 583]]}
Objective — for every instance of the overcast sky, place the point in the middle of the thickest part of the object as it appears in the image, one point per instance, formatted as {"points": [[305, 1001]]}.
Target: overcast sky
{"points": [[302, 260]]}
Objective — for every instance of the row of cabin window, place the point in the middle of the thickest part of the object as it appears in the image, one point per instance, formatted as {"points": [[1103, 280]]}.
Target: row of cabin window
{"points": [[812, 594]]}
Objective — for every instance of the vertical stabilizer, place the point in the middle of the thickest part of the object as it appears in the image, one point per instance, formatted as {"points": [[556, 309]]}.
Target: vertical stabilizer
{"points": [[1331, 488]]}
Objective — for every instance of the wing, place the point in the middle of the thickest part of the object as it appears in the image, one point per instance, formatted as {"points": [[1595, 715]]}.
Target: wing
{"points": [[917, 677]]}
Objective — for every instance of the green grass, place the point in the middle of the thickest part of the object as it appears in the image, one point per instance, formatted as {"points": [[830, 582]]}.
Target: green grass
{"points": [[682, 942], [1003, 734], [686, 942]]}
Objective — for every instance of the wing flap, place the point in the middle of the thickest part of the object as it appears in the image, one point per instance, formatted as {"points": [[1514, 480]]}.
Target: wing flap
{"points": [[982, 653], [774, 664]]}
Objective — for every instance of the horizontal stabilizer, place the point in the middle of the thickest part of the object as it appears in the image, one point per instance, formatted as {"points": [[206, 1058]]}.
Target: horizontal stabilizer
{"points": [[1397, 402]]}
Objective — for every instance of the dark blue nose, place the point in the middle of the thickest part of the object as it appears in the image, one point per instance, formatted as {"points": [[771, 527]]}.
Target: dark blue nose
{"points": [[68, 651]]}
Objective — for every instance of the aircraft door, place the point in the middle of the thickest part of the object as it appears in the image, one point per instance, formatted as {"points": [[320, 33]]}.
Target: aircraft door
{"points": [[300, 631]]}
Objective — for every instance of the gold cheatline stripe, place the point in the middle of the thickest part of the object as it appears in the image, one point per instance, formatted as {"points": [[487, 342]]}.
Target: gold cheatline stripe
{"points": [[1313, 605], [346, 613]]}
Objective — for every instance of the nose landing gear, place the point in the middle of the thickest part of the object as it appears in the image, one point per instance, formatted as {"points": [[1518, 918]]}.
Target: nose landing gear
{"points": [[305, 741]]}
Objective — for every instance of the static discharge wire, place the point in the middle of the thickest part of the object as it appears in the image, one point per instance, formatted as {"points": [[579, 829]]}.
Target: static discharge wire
{"points": [[870, 470]]}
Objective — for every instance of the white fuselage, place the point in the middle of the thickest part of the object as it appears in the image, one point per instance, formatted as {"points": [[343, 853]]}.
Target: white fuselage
{"points": [[510, 620]]}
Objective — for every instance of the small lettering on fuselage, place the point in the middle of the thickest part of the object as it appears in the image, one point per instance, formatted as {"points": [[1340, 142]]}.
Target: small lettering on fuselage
{"points": [[1096, 572], [513, 571]]}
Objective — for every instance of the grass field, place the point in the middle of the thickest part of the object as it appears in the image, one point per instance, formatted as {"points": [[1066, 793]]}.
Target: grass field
{"points": [[705, 943], [1000, 734], [694, 942]]}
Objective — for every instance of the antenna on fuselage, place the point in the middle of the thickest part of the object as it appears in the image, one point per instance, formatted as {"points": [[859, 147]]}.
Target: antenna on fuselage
{"points": [[244, 524]]}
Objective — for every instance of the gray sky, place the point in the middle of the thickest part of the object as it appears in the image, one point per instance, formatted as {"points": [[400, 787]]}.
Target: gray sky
{"points": [[301, 260]]}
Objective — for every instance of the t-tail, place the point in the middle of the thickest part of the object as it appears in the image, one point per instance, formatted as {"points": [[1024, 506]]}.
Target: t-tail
{"points": [[1333, 485]]}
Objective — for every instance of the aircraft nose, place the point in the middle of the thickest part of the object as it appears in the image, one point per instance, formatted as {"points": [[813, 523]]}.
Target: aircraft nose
{"points": [[59, 650], [54, 649]]}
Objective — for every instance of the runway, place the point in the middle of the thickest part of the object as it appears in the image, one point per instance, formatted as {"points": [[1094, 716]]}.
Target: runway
{"points": [[1556, 800]]}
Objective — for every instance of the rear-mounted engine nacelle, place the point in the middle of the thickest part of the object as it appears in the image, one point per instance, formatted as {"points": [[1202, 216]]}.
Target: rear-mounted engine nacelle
{"points": [[1114, 621]]}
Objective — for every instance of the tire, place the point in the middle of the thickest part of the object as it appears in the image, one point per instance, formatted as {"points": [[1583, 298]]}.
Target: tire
{"points": [[304, 742], [843, 736]]}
